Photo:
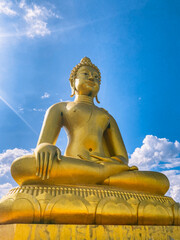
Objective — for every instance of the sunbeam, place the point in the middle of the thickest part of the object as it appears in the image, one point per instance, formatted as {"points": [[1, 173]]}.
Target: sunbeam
{"points": [[17, 114]]}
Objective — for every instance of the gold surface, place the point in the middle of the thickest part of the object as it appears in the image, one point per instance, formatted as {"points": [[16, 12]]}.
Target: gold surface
{"points": [[95, 153], [88, 232], [95, 156], [86, 205]]}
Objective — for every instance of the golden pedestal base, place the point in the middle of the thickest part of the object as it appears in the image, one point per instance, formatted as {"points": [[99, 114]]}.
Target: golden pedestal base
{"points": [[101, 205], [88, 232]]}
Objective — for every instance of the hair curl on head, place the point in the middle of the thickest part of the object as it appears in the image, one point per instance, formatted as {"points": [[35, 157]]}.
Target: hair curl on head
{"points": [[84, 62]]}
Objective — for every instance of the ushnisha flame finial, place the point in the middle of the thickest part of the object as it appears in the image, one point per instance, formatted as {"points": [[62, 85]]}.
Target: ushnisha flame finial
{"points": [[84, 62]]}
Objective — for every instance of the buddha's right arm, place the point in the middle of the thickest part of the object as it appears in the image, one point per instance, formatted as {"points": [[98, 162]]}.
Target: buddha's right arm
{"points": [[46, 151], [52, 124]]}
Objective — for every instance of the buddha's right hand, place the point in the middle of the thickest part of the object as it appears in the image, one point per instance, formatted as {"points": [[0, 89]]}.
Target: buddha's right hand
{"points": [[45, 154]]}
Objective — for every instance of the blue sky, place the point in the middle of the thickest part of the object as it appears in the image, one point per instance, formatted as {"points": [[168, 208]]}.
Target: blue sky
{"points": [[135, 44]]}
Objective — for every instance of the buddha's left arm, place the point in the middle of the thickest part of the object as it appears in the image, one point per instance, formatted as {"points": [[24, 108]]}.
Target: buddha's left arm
{"points": [[115, 142]]}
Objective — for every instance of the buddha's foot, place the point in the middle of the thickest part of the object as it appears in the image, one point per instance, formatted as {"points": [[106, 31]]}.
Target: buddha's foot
{"points": [[140, 181], [86, 205]]}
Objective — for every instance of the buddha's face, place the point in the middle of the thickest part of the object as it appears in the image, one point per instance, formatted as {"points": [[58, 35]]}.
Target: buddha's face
{"points": [[87, 81]]}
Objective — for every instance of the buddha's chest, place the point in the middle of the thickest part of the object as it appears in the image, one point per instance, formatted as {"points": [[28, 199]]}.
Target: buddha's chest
{"points": [[85, 116]]}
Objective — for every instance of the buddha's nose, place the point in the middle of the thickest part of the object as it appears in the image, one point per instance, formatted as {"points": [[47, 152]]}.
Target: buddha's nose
{"points": [[91, 77]]}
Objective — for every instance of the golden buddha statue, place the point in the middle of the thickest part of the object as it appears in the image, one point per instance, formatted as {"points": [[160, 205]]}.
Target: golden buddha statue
{"points": [[95, 153], [95, 164]]}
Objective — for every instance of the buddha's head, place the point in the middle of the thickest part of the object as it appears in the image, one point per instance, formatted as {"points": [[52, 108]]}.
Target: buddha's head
{"points": [[85, 79]]}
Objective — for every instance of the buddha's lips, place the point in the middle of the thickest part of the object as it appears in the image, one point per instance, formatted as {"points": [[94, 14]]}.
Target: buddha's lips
{"points": [[91, 83]]}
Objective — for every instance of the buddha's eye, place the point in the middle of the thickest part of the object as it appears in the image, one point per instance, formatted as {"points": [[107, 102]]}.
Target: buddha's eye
{"points": [[86, 74]]}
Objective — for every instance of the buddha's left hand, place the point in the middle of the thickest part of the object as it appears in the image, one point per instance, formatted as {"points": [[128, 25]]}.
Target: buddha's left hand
{"points": [[101, 160], [114, 159]]}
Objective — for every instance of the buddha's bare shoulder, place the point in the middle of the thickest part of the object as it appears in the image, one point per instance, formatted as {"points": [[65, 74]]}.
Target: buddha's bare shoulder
{"points": [[58, 107], [111, 118], [103, 110]]}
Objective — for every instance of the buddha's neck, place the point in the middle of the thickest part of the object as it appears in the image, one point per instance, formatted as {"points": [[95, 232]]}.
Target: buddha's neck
{"points": [[84, 99]]}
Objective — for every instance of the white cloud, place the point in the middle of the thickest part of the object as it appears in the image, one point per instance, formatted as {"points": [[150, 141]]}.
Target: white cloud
{"points": [[21, 109], [4, 189], [22, 3], [46, 95], [8, 156], [38, 110], [6, 8], [38, 28], [33, 18], [6, 159], [36, 18], [174, 178], [160, 154], [154, 151]]}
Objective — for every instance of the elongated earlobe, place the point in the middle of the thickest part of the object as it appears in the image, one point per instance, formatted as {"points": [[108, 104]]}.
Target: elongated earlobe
{"points": [[73, 92], [97, 99]]}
